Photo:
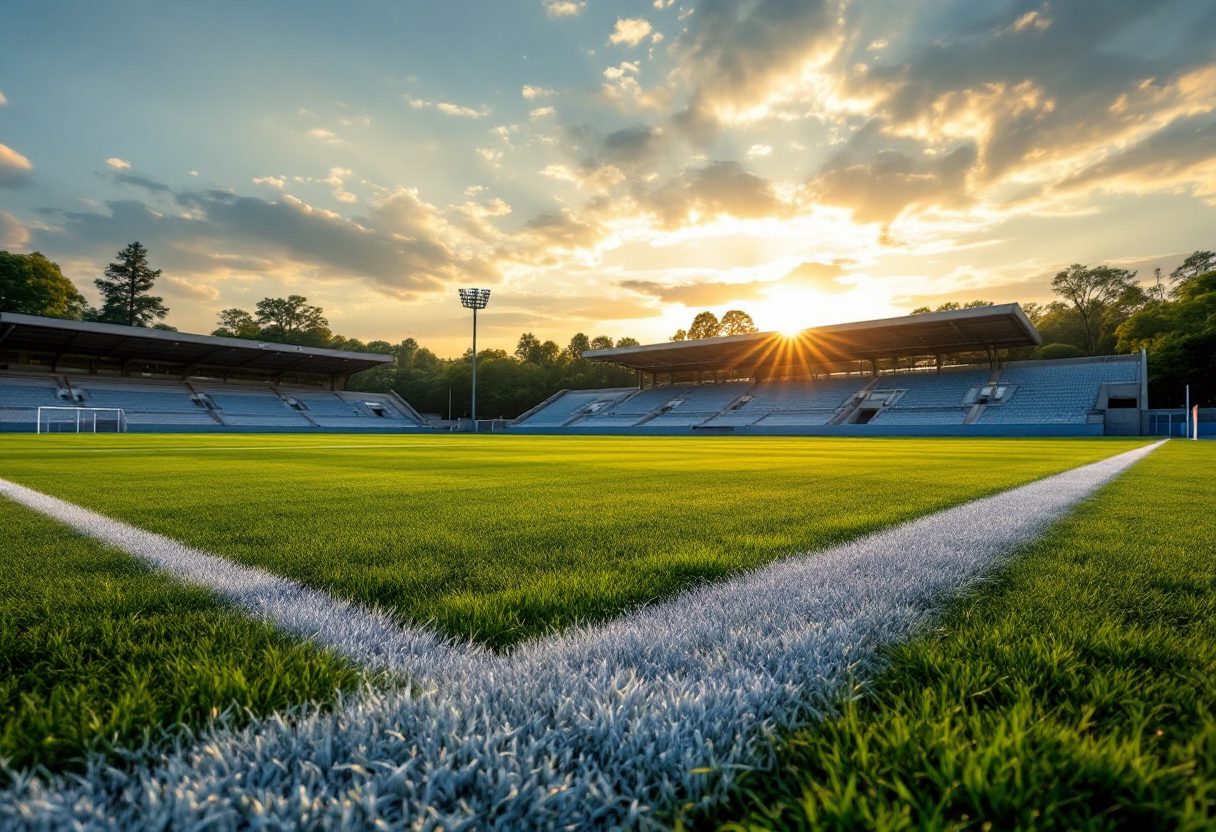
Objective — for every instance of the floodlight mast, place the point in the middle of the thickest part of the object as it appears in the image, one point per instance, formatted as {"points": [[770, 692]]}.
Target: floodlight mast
{"points": [[474, 299]]}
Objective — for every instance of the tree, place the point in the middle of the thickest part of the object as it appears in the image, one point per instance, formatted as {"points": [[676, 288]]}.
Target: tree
{"points": [[579, 344], [705, 325], [237, 323], [293, 321], [33, 285], [1090, 291], [548, 353], [1201, 262], [1180, 339], [125, 290], [527, 343], [628, 342], [601, 342], [681, 335], [737, 322], [950, 306]]}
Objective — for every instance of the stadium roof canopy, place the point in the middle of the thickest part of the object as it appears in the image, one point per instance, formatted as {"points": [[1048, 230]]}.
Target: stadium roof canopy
{"points": [[129, 344], [986, 328]]}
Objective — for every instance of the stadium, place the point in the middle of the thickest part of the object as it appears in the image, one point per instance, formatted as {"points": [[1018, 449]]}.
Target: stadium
{"points": [[636, 416], [893, 377], [400, 622]]}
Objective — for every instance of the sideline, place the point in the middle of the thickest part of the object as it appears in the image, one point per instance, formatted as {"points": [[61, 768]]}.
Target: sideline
{"points": [[598, 727]]}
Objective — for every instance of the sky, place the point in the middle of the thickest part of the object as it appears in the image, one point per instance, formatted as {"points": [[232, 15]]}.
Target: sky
{"points": [[608, 166]]}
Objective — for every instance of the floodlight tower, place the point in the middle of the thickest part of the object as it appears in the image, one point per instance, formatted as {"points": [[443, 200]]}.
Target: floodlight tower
{"points": [[474, 299]]}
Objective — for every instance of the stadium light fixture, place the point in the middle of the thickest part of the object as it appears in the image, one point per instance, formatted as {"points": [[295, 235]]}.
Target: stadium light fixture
{"points": [[474, 299]]}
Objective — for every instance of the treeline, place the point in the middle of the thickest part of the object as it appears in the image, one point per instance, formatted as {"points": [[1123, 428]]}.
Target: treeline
{"points": [[507, 383], [1102, 310], [1099, 310], [31, 284]]}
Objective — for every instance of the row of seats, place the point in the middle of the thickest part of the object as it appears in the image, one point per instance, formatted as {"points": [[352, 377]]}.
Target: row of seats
{"points": [[171, 404], [1064, 393], [1056, 395]]}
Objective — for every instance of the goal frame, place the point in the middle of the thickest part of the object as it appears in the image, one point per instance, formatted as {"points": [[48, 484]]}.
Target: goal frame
{"points": [[83, 425]]}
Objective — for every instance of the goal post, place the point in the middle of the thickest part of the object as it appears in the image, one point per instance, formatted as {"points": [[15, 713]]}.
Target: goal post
{"points": [[81, 420]]}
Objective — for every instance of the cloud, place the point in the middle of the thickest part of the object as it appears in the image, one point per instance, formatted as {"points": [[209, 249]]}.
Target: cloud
{"points": [[13, 235], [542, 111], [561, 231], [336, 181], [462, 112], [1028, 103], [3, 100], [14, 168], [276, 182], [118, 164], [1182, 153], [881, 187], [820, 277], [327, 136], [532, 93], [191, 289], [632, 145], [757, 151], [564, 8], [629, 31], [402, 245], [716, 190], [698, 293], [141, 182], [739, 56]]}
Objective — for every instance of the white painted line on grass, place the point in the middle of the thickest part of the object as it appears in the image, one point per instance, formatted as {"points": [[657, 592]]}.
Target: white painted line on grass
{"points": [[161, 448], [372, 638], [601, 727]]}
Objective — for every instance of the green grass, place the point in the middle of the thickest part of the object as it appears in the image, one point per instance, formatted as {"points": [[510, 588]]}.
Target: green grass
{"points": [[499, 538], [1073, 692], [98, 652]]}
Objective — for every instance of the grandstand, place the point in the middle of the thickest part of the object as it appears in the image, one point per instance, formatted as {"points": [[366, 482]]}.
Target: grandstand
{"points": [[933, 374], [898, 376], [178, 382]]}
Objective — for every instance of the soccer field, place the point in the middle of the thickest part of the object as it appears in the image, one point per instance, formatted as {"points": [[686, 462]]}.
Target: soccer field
{"points": [[1093, 647], [499, 539]]}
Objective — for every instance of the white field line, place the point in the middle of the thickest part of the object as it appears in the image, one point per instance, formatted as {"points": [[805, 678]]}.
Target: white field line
{"points": [[600, 727], [162, 448], [370, 637]]}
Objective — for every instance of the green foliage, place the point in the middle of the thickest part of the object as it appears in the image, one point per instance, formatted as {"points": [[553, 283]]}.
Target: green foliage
{"points": [[125, 290], [507, 385], [952, 305], [292, 320], [705, 325], [1072, 692], [1180, 338], [1053, 351], [32, 285], [1198, 263], [508, 540], [98, 652], [579, 344], [1101, 297], [737, 322]]}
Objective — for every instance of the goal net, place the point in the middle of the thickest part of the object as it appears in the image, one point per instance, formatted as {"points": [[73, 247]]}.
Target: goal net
{"points": [[81, 420]]}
